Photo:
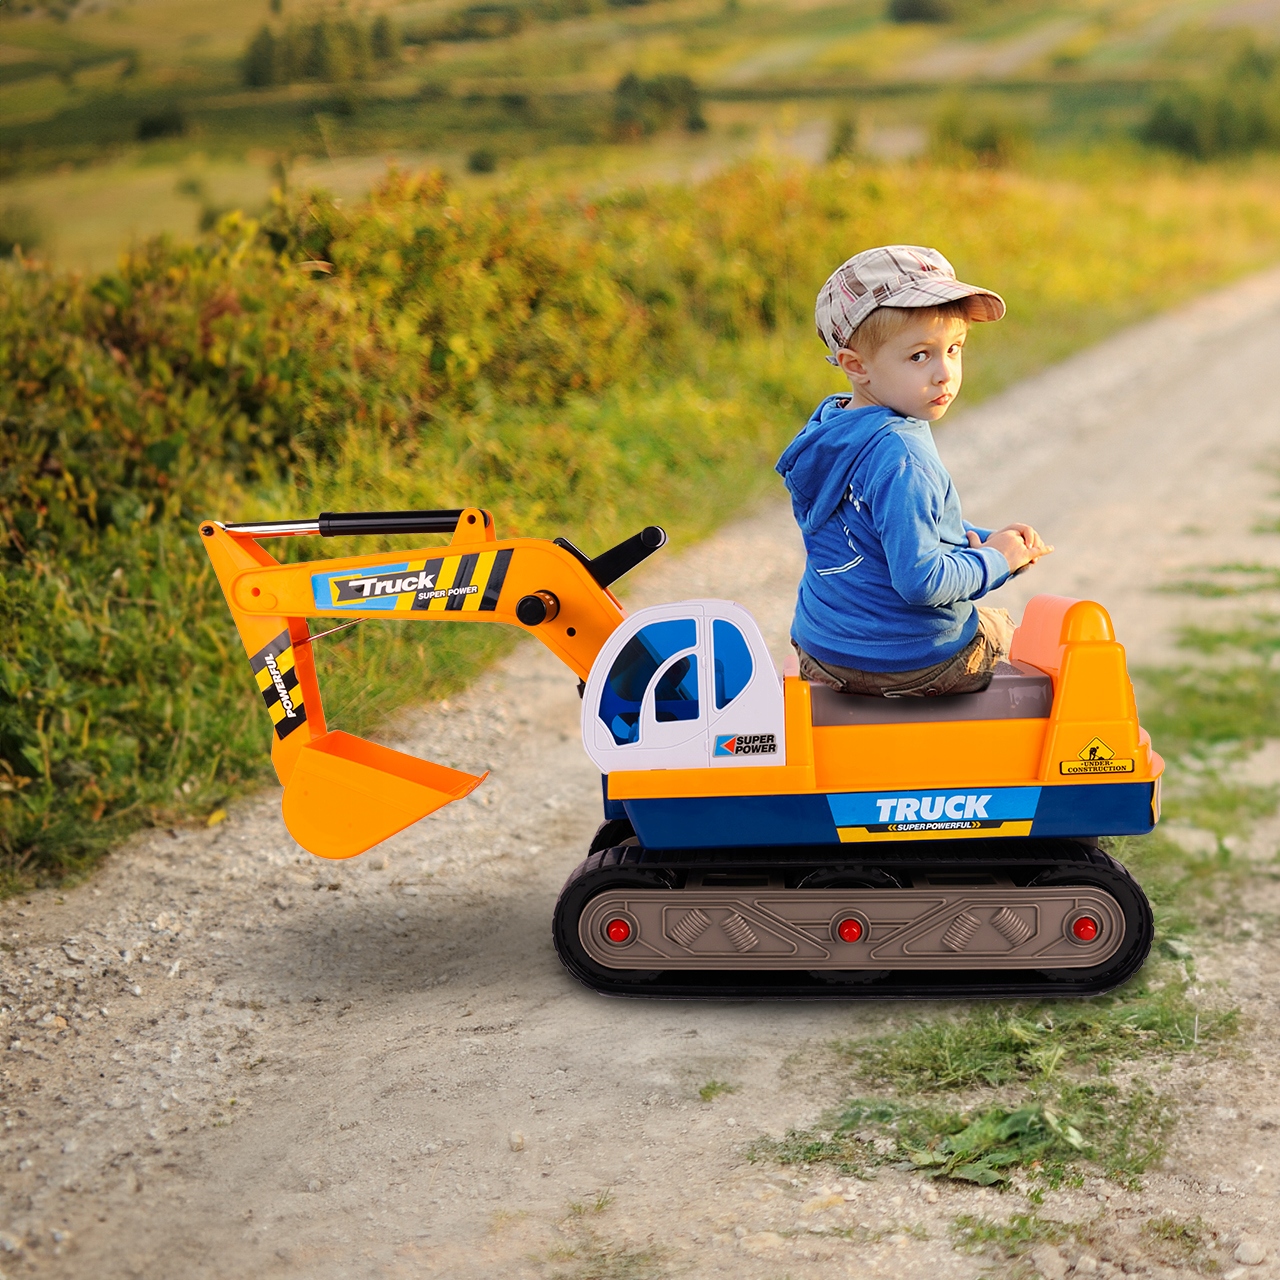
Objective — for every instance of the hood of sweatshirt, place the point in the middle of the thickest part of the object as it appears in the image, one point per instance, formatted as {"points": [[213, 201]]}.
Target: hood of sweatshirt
{"points": [[818, 465]]}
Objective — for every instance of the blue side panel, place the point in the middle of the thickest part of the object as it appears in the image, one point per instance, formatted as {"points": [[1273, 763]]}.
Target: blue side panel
{"points": [[323, 593], [612, 808], [1100, 809], [722, 821]]}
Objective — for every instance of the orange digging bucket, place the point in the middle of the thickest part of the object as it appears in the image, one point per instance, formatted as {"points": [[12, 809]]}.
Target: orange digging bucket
{"points": [[346, 795]]}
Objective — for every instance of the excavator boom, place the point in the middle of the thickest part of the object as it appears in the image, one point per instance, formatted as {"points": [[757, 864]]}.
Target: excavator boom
{"points": [[342, 794]]}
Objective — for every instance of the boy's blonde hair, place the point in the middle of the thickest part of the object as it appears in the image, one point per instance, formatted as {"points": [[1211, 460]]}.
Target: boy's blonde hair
{"points": [[887, 322]]}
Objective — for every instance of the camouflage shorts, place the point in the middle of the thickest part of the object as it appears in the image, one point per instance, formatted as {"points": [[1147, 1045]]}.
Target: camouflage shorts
{"points": [[969, 671]]}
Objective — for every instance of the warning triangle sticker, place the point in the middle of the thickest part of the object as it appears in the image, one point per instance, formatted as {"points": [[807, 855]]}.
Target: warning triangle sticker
{"points": [[1097, 750]]}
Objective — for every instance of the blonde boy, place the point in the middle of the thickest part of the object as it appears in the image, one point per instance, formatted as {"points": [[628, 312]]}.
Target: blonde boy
{"points": [[885, 607]]}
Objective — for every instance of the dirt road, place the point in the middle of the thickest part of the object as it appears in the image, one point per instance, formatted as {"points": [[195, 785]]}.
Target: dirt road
{"points": [[226, 1058]]}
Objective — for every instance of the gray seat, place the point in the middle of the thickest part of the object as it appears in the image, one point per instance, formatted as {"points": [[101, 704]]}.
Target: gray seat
{"points": [[1016, 692]]}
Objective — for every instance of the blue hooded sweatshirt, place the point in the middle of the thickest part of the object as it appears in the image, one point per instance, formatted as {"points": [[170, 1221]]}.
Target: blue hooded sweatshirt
{"points": [[890, 577]]}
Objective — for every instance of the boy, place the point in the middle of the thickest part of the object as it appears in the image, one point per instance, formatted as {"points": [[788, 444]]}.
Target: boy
{"points": [[885, 606]]}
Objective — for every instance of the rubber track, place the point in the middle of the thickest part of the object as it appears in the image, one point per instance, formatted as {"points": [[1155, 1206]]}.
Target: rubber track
{"points": [[1019, 860]]}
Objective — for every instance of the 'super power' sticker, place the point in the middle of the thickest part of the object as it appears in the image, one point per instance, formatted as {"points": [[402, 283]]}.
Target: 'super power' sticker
{"points": [[746, 744], [887, 815], [277, 679], [441, 584]]}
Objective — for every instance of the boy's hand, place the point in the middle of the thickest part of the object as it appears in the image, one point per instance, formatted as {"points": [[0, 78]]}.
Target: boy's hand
{"points": [[1035, 543], [1017, 547]]}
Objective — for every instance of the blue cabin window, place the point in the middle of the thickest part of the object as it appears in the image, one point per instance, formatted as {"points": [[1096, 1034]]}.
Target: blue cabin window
{"points": [[633, 671], [733, 665], [676, 697]]}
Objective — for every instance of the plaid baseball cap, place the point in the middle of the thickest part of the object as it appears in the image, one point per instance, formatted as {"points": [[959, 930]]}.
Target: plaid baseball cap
{"points": [[896, 275]]}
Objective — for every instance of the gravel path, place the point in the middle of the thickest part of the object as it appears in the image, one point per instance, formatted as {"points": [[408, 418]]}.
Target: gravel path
{"points": [[227, 1058]]}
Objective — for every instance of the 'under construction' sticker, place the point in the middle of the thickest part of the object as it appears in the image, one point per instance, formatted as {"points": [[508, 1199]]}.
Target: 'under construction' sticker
{"points": [[1096, 757]]}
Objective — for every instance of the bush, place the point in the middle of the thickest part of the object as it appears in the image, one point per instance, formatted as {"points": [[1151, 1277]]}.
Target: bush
{"points": [[642, 107], [19, 230], [1234, 112], [170, 122], [844, 139], [923, 10], [384, 39], [331, 50], [988, 138], [482, 160]]}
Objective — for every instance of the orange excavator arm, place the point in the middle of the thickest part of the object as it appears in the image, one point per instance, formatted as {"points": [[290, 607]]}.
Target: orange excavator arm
{"points": [[342, 794]]}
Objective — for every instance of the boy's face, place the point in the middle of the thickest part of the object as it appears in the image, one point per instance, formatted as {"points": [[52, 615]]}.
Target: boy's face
{"points": [[916, 373]]}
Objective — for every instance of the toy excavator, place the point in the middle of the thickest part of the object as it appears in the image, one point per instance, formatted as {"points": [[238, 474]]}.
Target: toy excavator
{"points": [[762, 836]]}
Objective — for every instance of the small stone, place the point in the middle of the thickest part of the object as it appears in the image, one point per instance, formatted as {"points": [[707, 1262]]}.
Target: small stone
{"points": [[1049, 1262], [761, 1242], [135, 990], [515, 1140], [820, 1203], [313, 1184], [1251, 1252], [402, 914], [1086, 1265]]}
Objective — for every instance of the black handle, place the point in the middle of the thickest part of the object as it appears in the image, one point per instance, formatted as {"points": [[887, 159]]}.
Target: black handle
{"points": [[336, 524], [610, 565]]}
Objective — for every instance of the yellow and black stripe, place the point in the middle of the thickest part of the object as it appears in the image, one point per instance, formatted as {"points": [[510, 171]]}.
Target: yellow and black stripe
{"points": [[468, 583], [277, 678]]}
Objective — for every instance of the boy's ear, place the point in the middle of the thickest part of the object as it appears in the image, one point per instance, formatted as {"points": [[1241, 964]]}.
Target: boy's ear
{"points": [[851, 362]]}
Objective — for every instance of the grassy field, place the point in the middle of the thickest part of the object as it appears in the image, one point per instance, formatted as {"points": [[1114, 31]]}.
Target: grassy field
{"points": [[149, 96]]}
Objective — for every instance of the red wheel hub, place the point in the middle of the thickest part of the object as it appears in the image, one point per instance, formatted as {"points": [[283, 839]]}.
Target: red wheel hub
{"points": [[1084, 929], [617, 930], [849, 930]]}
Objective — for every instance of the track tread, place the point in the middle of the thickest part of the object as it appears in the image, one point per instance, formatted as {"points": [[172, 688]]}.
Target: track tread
{"points": [[1027, 860]]}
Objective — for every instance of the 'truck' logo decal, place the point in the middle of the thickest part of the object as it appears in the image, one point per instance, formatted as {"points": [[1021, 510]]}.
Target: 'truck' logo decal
{"points": [[433, 584], [903, 815], [273, 669], [746, 744], [1096, 757]]}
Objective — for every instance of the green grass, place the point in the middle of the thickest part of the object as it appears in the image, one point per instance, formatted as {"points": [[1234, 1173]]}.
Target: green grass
{"points": [[714, 1089], [974, 1233], [1002, 1045], [1057, 1112], [588, 1253]]}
